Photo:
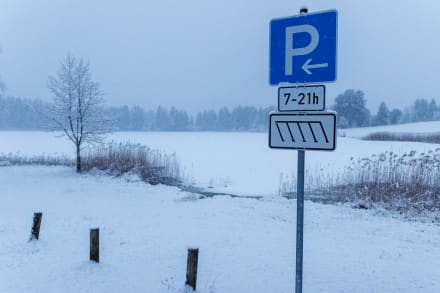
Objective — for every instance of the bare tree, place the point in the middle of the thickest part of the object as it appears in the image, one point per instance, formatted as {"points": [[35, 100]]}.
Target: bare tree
{"points": [[76, 108]]}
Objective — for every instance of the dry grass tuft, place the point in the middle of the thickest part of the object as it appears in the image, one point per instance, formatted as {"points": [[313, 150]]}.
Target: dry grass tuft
{"points": [[408, 184], [389, 136], [152, 166], [116, 159]]}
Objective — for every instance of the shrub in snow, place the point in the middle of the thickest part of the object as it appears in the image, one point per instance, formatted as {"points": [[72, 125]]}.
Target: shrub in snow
{"points": [[5, 163], [408, 184], [389, 136], [119, 159], [45, 160]]}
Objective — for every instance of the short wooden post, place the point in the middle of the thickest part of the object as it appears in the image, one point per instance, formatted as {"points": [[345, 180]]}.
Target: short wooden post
{"points": [[94, 244], [35, 232], [191, 267]]}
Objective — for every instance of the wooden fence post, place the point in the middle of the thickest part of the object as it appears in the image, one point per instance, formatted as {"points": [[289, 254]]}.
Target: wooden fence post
{"points": [[94, 244], [191, 267], [35, 232]]}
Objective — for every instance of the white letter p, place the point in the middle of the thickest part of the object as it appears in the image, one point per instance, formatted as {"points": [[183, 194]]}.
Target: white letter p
{"points": [[290, 45]]}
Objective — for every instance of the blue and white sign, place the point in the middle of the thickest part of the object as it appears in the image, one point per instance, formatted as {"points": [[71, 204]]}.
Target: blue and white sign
{"points": [[303, 48]]}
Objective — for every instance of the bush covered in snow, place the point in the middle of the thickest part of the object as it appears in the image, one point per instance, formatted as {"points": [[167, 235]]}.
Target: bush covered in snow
{"points": [[152, 166], [116, 159], [389, 136], [18, 159], [408, 184]]}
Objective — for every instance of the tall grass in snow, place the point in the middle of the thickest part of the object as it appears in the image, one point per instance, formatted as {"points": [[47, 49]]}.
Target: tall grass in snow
{"points": [[18, 159], [152, 166], [390, 136], [409, 183]]}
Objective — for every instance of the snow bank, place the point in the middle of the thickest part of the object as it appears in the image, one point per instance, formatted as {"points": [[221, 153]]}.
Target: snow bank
{"points": [[245, 245]]}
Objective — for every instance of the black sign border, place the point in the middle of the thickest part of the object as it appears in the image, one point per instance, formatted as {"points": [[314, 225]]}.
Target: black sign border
{"points": [[300, 86], [303, 114]]}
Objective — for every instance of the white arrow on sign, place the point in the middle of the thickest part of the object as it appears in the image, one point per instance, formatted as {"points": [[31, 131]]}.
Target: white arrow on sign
{"points": [[307, 66]]}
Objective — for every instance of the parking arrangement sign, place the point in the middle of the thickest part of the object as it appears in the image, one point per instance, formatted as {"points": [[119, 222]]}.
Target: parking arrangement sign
{"points": [[303, 48], [302, 51], [314, 131]]}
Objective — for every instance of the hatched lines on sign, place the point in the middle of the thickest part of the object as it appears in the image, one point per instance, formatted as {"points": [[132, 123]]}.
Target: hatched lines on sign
{"points": [[301, 131]]}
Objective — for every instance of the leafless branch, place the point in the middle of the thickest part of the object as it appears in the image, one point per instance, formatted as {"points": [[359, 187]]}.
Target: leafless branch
{"points": [[77, 101]]}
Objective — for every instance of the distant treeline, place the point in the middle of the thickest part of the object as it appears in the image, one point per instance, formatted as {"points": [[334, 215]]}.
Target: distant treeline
{"points": [[352, 111], [25, 114], [162, 119], [22, 114]]}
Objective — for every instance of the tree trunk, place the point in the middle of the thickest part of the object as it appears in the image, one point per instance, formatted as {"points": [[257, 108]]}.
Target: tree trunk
{"points": [[78, 158]]}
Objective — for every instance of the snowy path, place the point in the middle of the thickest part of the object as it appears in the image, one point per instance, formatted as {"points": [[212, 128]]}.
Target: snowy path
{"points": [[245, 245]]}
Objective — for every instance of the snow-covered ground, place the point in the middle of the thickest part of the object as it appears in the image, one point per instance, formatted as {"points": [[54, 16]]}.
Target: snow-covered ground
{"points": [[232, 162], [246, 245]]}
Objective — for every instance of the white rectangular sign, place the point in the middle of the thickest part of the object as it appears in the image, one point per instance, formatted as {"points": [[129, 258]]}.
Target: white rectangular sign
{"points": [[311, 131], [301, 98]]}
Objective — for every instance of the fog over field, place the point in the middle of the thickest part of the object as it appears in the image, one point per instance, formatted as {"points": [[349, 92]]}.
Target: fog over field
{"points": [[198, 55], [219, 146]]}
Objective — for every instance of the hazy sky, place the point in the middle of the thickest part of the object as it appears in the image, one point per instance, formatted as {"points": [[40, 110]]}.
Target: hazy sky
{"points": [[207, 54]]}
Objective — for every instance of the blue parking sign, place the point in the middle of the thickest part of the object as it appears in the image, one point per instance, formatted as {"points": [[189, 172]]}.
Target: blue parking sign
{"points": [[303, 48]]}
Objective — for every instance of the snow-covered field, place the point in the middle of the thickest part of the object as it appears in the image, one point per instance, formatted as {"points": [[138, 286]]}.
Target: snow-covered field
{"points": [[246, 245], [233, 162]]}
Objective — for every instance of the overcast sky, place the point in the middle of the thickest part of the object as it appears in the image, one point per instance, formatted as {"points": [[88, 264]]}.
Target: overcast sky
{"points": [[207, 54]]}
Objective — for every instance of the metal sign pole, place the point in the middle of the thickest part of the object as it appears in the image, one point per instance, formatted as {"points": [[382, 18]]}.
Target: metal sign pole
{"points": [[300, 221], [298, 127], [300, 211]]}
